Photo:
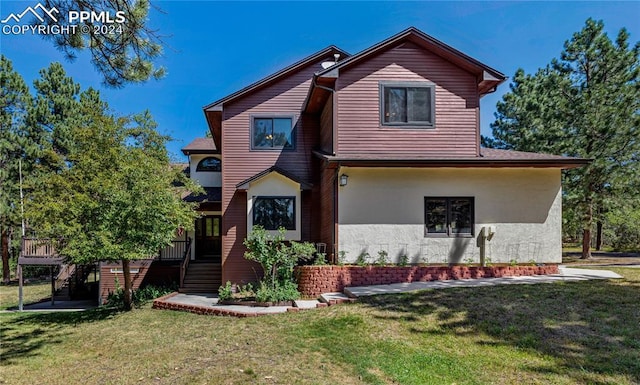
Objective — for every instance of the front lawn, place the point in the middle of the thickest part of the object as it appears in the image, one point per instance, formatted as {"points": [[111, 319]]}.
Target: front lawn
{"points": [[32, 292], [564, 333]]}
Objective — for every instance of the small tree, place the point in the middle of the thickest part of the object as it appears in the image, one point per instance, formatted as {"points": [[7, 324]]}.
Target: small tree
{"points": [[277, 257], [117, 198]]}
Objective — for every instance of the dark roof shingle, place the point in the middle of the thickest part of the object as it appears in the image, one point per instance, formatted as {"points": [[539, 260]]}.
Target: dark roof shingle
{"points": [[200, 146]]}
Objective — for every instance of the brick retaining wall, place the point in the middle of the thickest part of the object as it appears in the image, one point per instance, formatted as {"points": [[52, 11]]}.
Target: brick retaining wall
{"points": [[315, 280]]}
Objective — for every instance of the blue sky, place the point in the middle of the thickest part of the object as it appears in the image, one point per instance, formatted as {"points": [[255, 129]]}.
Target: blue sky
{"points": [[215, 48]]}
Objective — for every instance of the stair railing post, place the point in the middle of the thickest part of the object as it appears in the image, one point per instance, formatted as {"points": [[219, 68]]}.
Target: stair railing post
{"points": [[53, 286]]}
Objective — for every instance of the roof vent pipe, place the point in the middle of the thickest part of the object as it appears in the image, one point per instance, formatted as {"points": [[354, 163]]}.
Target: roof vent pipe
{"points": [[336, 56]]}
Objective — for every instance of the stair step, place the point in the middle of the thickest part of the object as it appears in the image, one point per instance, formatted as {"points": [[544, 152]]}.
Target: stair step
{"points": [[198, 290], [207, 276]]}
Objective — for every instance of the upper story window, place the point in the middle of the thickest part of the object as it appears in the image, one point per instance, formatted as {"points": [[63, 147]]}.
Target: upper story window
{"points": [[407, 104], [209, 164], [274, 212], [449, 217], [269, 133]]}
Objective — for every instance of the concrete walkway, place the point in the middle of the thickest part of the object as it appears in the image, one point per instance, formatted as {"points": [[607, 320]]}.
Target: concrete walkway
{"points": [[566, 274], [208, 303]]}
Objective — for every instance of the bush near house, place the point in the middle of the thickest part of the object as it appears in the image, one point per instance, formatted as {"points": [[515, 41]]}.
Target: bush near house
{"points": [[277, 257]]}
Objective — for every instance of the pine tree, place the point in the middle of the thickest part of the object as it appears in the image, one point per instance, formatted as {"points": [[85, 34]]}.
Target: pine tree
{"points": [[584, 104], [124, 56], [16, 145]]}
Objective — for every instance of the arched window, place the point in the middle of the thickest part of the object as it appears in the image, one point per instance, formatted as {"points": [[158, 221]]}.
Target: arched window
{"points": [[209, 164]]}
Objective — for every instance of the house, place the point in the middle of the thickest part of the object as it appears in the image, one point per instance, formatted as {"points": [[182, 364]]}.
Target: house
{"points": [[375, 152]]}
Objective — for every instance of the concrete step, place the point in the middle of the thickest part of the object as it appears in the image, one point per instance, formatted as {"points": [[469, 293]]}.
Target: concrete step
{"points": [[335, 298]]}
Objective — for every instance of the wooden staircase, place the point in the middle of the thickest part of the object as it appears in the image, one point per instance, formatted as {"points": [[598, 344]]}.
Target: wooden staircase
{"points": [[202, 277], [70, 279]]}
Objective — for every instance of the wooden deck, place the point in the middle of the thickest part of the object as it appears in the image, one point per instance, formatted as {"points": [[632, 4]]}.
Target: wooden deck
{"points": [[39, 251]]}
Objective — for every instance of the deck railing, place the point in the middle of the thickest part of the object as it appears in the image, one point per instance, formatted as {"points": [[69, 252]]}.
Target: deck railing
{"points": [[185, 262], [38, 248], [175, 251]]}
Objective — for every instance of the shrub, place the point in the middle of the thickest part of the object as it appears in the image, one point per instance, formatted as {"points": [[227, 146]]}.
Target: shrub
{"points": [[362, 259], [277, 259], [320, 260], [140, 296], [382, 258], [225, 292], [285, 291], [342, 257]]}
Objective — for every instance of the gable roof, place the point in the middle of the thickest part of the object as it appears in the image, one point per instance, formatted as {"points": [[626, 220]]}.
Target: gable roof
{"points": [[244, 185], [324, 53], [200, 146], [487, 77], [426, 41]]}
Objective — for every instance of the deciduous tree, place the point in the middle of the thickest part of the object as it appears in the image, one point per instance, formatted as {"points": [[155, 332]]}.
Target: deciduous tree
{"points": [[117, 198]]}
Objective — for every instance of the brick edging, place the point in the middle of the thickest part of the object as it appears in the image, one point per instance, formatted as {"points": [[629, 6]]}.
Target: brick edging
{"points": [[162, 304], [315, 280]]}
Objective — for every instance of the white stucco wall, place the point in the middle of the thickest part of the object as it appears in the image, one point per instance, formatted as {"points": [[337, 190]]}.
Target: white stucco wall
{"points": [[206, 178], [275, 184], [383, 209]]}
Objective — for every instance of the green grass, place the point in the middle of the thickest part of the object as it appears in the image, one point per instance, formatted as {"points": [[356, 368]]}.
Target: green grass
{"points": [[31, 293], [565, 333]]}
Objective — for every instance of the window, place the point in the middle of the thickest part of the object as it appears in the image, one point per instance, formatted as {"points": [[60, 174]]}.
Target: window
{"points": [[407, 104], [209, 164], [449, 216], [274, 212], [272, 133]]}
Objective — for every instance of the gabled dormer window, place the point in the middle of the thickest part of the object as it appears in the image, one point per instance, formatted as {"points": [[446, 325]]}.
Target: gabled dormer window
{"points": [[272, 133], [209, 164], [408, 104]]}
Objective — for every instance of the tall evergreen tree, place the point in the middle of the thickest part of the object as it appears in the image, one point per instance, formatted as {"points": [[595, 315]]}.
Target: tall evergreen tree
{"points": [[124, 54], [17, 144], [584, 104]]}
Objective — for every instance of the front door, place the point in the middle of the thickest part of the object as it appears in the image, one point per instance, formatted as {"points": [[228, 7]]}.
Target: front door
{"points": [[208, 241]]}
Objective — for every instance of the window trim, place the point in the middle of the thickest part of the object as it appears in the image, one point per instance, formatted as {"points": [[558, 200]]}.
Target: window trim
{"points": [[294, 124], [449, 233], [198, 169], [253, 211], [411, 84]]}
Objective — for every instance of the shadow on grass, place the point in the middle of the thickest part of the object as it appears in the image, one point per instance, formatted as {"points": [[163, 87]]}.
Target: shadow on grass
{"points": [[24, 334], [591, 328]]}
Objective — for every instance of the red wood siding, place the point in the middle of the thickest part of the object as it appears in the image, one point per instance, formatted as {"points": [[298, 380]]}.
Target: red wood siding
{"points": [[456, 103], [150, 273], [327, 207], [284, 97], [326, 127]]}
